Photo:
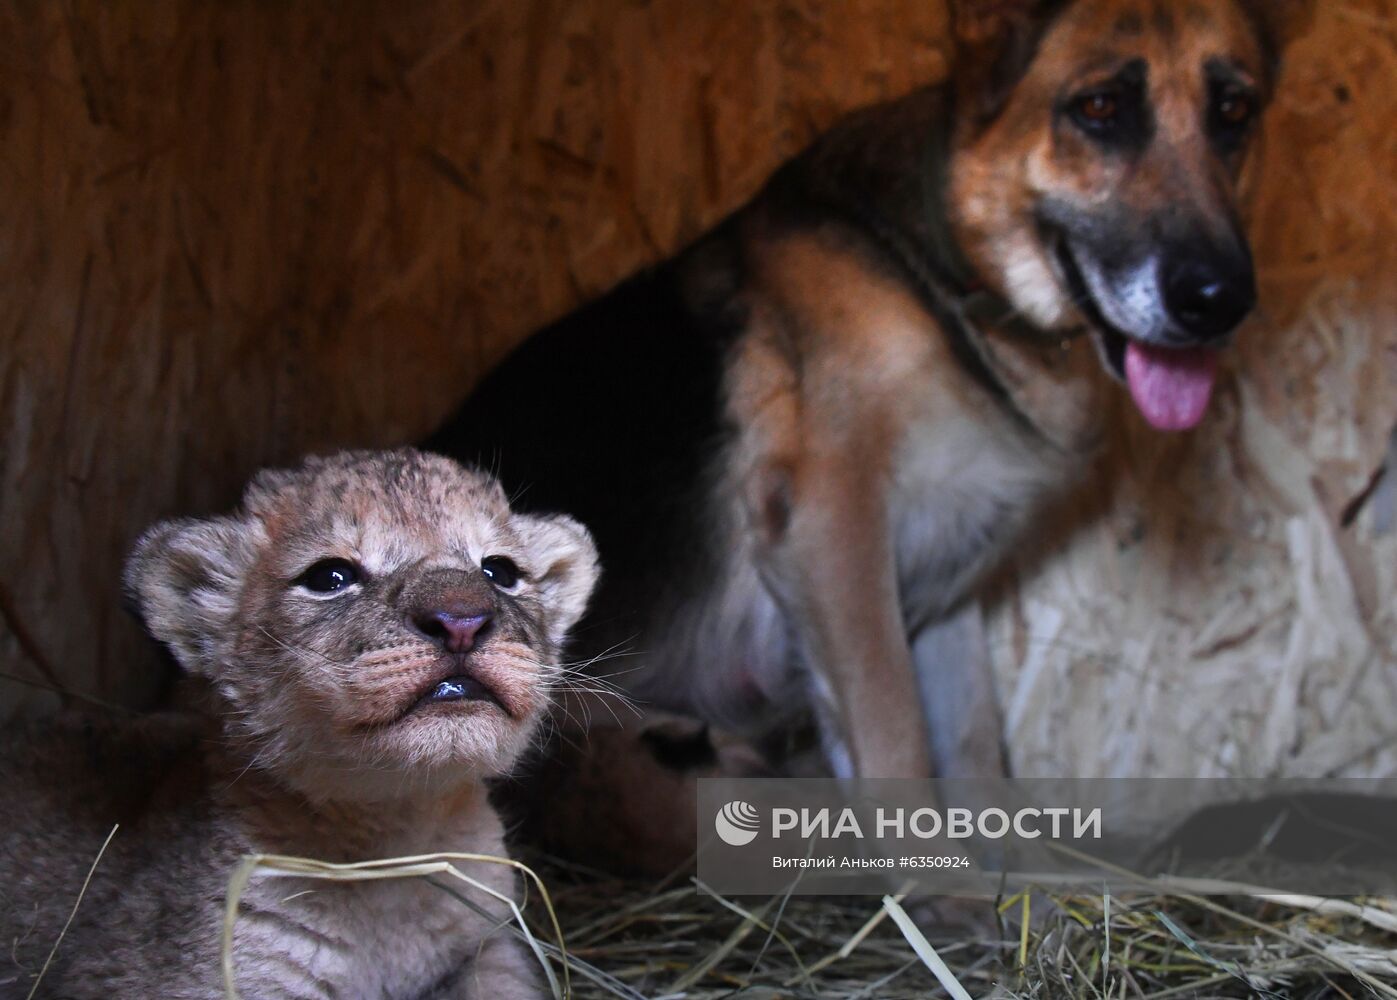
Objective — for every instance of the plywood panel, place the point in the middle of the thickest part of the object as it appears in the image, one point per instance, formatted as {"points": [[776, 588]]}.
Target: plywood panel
{"points": [[231, 233]]}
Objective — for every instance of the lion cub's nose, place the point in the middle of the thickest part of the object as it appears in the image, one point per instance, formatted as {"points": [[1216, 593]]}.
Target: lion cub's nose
{"points": [[455, 632]]}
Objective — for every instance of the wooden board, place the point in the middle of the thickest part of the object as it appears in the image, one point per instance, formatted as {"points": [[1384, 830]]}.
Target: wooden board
{"points": [[231, 233]]}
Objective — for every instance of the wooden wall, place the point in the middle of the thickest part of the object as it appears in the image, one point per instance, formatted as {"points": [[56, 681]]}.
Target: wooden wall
{"points": [[233, 232]]}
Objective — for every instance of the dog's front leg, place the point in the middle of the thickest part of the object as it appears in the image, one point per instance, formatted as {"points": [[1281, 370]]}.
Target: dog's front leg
{"points": [[831, 567], [957, 685]]}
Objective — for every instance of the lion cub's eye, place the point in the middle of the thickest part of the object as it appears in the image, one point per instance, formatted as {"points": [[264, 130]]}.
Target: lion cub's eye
{"points": [[329, 576], [500, 570]]}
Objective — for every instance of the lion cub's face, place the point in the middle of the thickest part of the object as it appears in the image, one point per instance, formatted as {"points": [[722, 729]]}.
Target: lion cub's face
{"points": [[377, 622]]}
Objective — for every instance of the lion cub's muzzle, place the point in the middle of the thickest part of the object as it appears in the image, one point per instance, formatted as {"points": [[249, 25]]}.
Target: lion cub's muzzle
{"points": [[455, 611], [454, 627]]}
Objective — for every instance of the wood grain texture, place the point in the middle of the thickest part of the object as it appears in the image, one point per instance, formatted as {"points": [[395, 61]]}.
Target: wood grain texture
{"points": [[232, 233]]}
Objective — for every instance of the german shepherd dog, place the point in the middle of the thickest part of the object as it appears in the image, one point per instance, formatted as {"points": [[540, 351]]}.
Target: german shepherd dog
{"points": [[803, 441]]}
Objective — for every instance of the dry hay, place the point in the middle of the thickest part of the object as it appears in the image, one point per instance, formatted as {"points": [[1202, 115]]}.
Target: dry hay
{"points": [[684, 941], [603, 939]]}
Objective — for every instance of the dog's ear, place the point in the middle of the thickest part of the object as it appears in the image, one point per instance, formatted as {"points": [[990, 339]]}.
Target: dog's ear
{"points": [[184, 579], [567, 572], [1279, 23], [979, 21], [996, 41]]}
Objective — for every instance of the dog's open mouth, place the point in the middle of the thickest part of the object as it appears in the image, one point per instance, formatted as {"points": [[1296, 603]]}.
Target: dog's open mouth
{"points": [[1171, 386]]}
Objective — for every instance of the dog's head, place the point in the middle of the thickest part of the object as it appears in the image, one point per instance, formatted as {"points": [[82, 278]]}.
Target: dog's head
{"points": [[1101, 149]]}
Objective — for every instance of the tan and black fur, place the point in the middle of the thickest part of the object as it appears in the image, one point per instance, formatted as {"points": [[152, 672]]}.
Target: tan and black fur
{"points": [[378, 633], [804, 441]]}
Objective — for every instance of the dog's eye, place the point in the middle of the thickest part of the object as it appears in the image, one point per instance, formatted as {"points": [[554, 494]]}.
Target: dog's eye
{"points": [[1114, 111], [1109, 114], [501, 571], [1100, 108], [1230, 115], [1235, 108], [329, 576]]}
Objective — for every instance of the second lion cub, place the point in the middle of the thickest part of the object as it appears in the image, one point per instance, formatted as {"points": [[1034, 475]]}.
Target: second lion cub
{"points": [[379, 633]]}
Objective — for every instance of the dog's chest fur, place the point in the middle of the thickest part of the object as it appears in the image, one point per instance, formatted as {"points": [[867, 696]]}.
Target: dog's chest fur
{"points": [[962, 492], [842, 382]]}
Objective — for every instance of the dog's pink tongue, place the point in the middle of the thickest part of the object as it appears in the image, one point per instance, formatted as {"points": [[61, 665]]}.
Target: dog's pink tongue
{"points": [[1171, 387]]}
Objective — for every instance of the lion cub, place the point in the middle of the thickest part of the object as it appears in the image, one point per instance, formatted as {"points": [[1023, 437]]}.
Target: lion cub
{"points": [[378, 632]]}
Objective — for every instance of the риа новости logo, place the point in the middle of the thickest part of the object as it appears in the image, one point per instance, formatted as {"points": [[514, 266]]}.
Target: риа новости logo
{"points": [[737, 823]]}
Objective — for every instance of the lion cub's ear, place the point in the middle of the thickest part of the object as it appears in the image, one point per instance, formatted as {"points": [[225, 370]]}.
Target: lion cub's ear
{"points": [[565, 548], [184, 579]]}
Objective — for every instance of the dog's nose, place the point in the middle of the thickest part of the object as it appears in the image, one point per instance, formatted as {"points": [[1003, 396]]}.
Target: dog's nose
{"points": [[1209, 298], [456, 632]]}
